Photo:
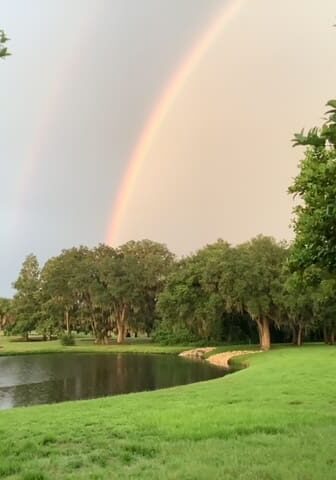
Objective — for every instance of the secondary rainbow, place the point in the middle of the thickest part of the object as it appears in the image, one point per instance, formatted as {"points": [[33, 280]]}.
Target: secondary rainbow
{"points": [[160, 110], [51, 105]]}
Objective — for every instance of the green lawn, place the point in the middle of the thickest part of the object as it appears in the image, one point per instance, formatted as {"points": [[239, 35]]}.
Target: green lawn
{"points": [[16, 346], [11, 346], [273, 420]]}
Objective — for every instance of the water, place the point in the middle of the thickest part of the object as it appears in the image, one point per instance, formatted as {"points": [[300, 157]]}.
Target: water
{"points": [[49, 378]]}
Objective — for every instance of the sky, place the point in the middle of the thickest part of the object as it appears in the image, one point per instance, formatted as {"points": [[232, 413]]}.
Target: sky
{"points": [[84, 78]]}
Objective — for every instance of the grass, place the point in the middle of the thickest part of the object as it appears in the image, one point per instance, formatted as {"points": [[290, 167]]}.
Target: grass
{"points": [[275, 420], [17, 346], [14, 346]]}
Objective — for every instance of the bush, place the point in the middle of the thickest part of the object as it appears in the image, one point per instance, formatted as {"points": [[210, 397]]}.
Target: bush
{"points": [[67, 340], [166, 334]]}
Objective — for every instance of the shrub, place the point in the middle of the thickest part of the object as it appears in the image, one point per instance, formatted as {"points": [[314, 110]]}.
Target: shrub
{"points": [[67, 340]]}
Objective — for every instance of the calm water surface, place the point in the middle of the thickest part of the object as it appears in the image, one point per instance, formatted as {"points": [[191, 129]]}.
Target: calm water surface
{"points": [[50, 378]]}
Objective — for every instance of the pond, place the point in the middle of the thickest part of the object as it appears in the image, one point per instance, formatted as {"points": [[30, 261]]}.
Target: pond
{"points": [[49, 378]]}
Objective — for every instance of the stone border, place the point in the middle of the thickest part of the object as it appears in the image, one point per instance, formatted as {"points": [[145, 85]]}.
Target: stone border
{"points": [[197, 353], [223, 359], [219, 359]]}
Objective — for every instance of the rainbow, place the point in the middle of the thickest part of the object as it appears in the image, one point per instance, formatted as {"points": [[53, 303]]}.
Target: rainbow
{"points": [[159, 112]]}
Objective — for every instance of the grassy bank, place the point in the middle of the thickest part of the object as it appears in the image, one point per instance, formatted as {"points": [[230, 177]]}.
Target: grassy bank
{"points": [[13, 346], [17, 346], [274, 420]]}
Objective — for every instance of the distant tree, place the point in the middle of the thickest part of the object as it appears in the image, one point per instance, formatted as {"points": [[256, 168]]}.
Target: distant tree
{"points": [[298, 293], [62, 287], [325, 305], [183, 307], [104, 289], [26, 304], [156, 262], [198, 303], [252, 281], [114, 291], [3, 48], [6, 316]]}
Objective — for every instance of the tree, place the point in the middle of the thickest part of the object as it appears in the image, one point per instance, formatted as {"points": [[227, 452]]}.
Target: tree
{"points": [[183, 306], [3, 48], [64, 283], [26, 301], [198, 304], [57, 280], [325, 305], [315, 187], [6, 317], [252, 280], [114, 290], [156, 262], [191, 306], [104, 289], [299, 289], [323, 137]]}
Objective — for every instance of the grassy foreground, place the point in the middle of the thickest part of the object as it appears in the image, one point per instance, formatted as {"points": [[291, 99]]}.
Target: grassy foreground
{"points": [[273, 420]]}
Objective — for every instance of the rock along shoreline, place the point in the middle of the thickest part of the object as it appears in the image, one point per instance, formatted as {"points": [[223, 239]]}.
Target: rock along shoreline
{"points": [[219, 359]]}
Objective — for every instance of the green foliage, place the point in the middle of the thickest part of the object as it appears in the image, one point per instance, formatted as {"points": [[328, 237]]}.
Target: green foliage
{"points": [[103, 290], [191, 300], [210, 292], [67, 340], [156, 262], [219, 294], [26, 305], [3, 48], [170, 334], [315, 188], [322, 137], [6, 318], [297, 301]]}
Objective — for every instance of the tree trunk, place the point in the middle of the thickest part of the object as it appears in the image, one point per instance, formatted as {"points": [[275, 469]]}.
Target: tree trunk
{"points": [[329, 335], [121, 332], [325, 334], [67, 326], [93, 327], [26, 336], [299, 336], [264, 333], [121, 324], [294, 336], [101, 337]]}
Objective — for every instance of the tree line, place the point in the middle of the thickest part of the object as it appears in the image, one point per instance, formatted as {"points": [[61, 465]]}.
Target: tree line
{"points": [[101, 290], [221, 293]]}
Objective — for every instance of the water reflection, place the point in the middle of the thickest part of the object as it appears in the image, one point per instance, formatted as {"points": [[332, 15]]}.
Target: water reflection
{"points": [[36, 379]]}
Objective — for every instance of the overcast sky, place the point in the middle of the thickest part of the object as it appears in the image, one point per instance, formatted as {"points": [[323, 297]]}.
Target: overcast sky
{"points": [[85, 76]]}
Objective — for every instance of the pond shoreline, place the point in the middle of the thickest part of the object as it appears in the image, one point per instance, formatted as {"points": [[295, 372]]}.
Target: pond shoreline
{"points": [[8, 347], [221, 359], [28, 380]]}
